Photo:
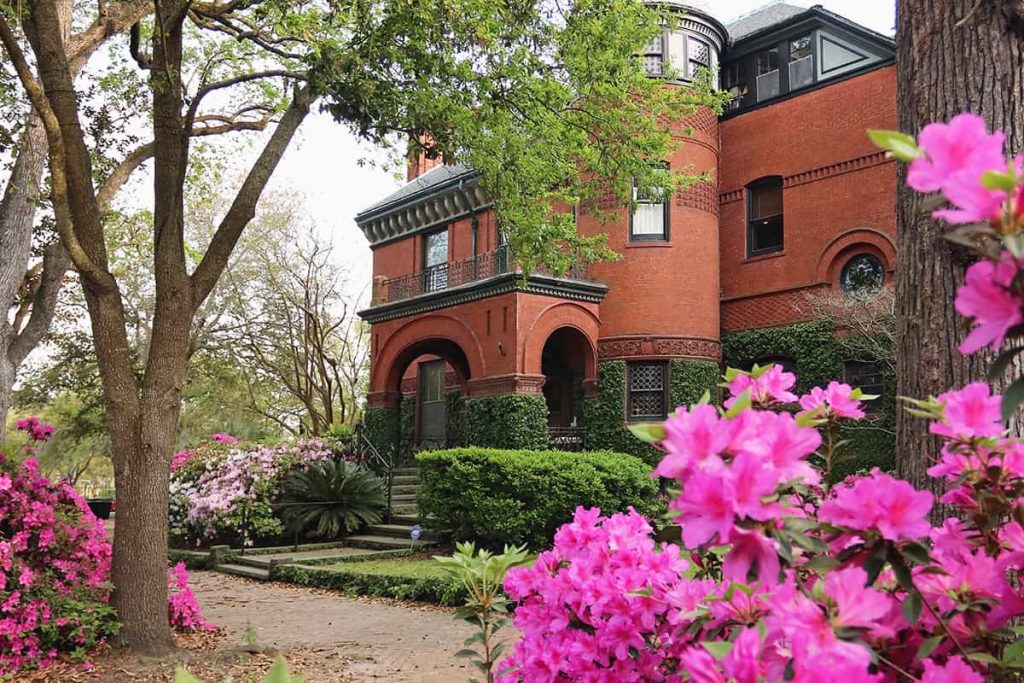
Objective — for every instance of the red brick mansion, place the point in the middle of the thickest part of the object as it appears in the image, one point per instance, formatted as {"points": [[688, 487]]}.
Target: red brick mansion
{"points": [[801, 201]]}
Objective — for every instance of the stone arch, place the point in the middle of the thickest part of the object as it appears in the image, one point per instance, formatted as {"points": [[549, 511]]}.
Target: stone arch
{"points": [[440, 335], [558, 316], [851, 243]]}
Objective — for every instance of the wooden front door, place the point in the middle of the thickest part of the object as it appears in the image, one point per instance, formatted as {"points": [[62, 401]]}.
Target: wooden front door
{"points": [[433, 420]]}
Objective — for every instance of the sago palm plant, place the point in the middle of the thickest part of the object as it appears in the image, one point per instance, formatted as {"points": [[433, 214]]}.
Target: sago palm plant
{"points": [[332, 498]]}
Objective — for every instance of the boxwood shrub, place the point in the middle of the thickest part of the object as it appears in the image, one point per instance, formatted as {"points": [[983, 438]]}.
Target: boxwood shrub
{"points": [[357, 581], [494, 497]]}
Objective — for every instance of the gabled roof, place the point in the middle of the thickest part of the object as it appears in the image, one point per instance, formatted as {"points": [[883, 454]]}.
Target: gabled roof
{"points": [[426, 184], [764, 17]]}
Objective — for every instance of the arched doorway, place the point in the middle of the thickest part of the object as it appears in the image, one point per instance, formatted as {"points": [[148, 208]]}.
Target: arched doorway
{"points": [[564, 362]]}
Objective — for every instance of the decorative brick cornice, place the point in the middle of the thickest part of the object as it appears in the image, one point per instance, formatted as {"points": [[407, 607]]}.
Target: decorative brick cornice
{"points": [[505, 384], [383, 399], [658, 347], [816, 174], [573, 290]]}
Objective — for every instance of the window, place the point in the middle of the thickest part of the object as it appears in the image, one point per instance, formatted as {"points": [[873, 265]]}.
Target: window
{"points": [[654, 56], [801, 62], [734, 81], [869, 377], [835, 57], [699, 55], [435, 261], [767, 65], [649, 220], [862, 276], [647, 400], [764, 216]]}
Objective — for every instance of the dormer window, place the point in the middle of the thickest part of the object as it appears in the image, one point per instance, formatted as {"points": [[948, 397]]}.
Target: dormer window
{"points": [[764, 216], [767, 72], [654, 56], [801, 62]]}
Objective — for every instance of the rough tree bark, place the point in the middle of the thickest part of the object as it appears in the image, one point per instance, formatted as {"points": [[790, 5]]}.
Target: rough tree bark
{"points": [[953, 56], [142, 415]]}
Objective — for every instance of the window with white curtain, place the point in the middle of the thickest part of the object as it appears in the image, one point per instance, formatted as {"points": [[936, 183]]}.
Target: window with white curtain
{"points": [[649, 220]]}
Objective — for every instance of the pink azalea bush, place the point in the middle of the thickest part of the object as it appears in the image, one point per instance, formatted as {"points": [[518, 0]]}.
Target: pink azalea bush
{"points": [[223, 491], [183, 610], [780, 577], [54, 571]]}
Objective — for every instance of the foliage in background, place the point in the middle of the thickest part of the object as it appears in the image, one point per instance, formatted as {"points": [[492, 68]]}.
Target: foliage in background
{"points": [[604, 415], [818, 355], [54, 571], [381, 426], [517, 421], [331, 498], [486, 606], [493, 497], [224, 492]]}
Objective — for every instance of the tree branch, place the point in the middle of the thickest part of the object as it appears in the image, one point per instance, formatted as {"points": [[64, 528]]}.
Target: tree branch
{"points": [[244, 206], [193, 107], [120, 174], [44, 304]]}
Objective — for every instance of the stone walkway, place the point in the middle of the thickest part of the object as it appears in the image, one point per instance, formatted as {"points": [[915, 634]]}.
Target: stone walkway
{"points": [[383, 640]]}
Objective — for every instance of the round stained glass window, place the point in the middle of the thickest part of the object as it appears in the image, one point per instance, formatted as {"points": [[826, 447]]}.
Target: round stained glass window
{"points": [[863, 275]]}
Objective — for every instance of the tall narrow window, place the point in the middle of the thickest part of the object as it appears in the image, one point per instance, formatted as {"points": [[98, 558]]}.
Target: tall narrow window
{"points": [[801, 62], [647, 385], [767, 65], [869, 377], [764, 216], [699, 55], [654, 56], [435, 261], [649, 220]]}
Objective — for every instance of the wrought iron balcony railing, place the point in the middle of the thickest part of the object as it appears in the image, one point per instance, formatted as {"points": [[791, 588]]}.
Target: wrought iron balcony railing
{"points": [[455, 273]]}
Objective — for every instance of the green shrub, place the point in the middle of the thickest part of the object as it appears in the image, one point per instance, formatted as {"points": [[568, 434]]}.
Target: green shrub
{"points": [[506, 421], [381, 426], [353, 579], [496, 497], [332, 498]]}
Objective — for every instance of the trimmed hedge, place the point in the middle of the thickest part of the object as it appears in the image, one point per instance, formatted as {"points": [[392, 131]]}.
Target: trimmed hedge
{"points": [[440, 591], [819, 358], [506, 421], [494, 497], [605, 414]]}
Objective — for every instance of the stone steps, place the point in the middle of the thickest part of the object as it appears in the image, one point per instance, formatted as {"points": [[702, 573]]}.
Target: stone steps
{"points": [[402, 530], [244, 571], [375, 542]]}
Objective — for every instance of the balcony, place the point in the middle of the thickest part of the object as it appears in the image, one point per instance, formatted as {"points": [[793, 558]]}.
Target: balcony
{"points": [[456, 273]]}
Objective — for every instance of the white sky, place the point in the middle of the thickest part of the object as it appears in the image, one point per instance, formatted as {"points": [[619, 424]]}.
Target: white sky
{"points": [[323, 164]]}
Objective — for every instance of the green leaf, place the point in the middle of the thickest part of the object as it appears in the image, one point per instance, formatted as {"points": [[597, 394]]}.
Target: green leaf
{"points": [[718, 649], [182, 676], [999, 180], [900, 145], [912, 608], [651, 432], [917, 553], [467, 653], [1014, 651], [1012, 397], [278, 672], [742, 403], [1002, 362], [928, 646]]}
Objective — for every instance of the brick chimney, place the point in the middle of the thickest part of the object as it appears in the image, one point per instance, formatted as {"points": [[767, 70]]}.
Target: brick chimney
{"points": [[422, 157]]}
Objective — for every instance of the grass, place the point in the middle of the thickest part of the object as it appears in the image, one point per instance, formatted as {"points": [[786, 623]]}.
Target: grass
{"points": [[410, 568]]}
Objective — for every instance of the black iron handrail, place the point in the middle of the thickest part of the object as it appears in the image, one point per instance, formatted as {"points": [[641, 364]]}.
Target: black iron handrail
{"points": [[446, 275], [572, 439]]}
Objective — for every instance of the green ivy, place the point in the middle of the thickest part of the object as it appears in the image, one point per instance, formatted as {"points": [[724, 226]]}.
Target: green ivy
{"points": [[454, 405], [407, 418], [604, 415], [506, 421], [497, 497], [381, 425], [819, 358]]}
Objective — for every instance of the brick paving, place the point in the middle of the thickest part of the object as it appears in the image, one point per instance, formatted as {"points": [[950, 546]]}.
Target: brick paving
{"points": [[383, 640]]}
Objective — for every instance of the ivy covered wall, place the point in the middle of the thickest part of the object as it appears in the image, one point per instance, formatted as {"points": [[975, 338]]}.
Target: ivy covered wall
{"points": [[513, 421], [381, 425], [407, 418], [604, 415], [819, 357]]}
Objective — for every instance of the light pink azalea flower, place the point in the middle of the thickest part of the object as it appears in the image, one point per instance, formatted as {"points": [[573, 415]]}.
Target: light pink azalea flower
{"points": [[771, 388], [971, 412], [986, 297], [834, 401]]}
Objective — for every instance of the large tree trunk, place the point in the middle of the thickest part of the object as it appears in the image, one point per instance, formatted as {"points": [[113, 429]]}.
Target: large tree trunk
{"points": [[953, 56], [17, 217]]}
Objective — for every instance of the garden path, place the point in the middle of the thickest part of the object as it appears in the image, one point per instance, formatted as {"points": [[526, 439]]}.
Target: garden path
{"points": [[380, 639]]}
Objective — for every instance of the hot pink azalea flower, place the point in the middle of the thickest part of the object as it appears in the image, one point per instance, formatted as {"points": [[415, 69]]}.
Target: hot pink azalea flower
{"points": [[772, 387], [834, 401], [972, 412], [956, 670], [224, 438], [751, 554], [879, 502], [958, 153], [987, 298], [693, 438]]}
